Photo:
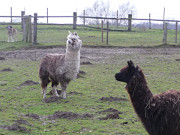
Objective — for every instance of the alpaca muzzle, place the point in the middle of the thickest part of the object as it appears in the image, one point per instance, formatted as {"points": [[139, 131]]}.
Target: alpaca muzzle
{"points": [[117, 76], [73, 42]]}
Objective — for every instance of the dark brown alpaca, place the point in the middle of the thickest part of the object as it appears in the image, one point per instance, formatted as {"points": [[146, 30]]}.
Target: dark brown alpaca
{"points": [[160, 114]]}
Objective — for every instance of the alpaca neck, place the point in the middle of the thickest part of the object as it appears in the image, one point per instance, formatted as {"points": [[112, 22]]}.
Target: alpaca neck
{"points": [[139, 94], [73, 54]]}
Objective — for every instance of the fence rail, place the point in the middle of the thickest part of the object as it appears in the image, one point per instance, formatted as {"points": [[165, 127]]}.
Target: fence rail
{"points": [[83, 17], [74, 22], [103, 18]]}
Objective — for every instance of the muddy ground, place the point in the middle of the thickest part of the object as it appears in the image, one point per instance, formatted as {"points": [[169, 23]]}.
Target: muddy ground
{"points": [[89, 55], [95, 54]]}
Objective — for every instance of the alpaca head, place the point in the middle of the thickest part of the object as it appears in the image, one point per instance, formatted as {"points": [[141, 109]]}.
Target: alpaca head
{"points": [[73, 42], [127, 72], [9, 27]]}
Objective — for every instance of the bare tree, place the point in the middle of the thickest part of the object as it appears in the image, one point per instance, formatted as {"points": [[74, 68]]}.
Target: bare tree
{"points": [[124, 10], [99, 9], [103, 9]]}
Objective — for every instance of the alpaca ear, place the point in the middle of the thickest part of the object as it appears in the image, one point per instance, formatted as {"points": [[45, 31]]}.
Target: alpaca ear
{"points": [[130, 64], [69, 33], [138, 69], [75, 33]]}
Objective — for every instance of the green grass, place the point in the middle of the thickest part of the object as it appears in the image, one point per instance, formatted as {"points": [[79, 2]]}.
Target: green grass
{"points": [[161, 70], [162, 73], [49, 35]]}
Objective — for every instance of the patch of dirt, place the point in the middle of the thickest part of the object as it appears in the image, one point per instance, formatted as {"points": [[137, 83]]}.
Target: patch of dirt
{"points": [[112, 99], [29, 83], [15, 127], [57, 99], [33, 116], [52, 99], [70, 93], [51, 92], [95, 54], [110, 110], [6, 70], [3, 83], [110, 116], [81, 74], [75, 93], [68, 115], [86, 63], [2, 58], [22, 122], [124, 123]]}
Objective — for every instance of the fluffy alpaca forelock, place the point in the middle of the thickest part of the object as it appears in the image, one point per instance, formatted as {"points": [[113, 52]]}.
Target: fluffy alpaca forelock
{"points": [[73, 42]]}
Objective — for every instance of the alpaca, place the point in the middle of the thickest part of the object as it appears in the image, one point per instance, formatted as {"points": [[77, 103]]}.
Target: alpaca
{"points": [[61, 68], [12, 33], [160, 114]]}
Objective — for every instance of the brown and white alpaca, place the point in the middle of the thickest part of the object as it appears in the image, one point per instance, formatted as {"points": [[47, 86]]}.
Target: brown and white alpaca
{"points": [[12, 33], [160, 114], [61, 68]]}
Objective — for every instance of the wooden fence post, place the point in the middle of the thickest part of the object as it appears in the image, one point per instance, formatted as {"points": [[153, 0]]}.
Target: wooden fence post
{"points": [[102, 23], [74, 19], [35, 29], [163, 18], [84, 19], [176, 32], [27, 29], [149, 21], [24, 28], [47, 16], [165, 34], [11, 13], [129, 22], [107, 36], [117, 18], [22, 19], [30, 30]]}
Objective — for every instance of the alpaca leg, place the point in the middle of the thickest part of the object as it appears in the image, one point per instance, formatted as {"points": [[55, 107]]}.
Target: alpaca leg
{"points": [[64, 86], [44, 92], [54, 86], [12, 38], [44, 83], [55, 91], [64, 94], [8, 38], [16, 38]]}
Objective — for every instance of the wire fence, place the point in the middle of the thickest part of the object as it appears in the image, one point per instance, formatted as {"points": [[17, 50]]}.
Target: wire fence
{"points": [[52, 30]]}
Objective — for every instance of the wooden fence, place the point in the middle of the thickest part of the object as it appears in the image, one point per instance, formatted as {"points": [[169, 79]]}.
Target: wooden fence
{"points": [[30, 36]]}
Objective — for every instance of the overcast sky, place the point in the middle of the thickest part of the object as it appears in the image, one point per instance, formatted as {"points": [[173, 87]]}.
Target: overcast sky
{"points": [[66, 7]]}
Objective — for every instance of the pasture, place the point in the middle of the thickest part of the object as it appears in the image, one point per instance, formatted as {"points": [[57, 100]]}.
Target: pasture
{"points": [[53, 35], [96, 104]]}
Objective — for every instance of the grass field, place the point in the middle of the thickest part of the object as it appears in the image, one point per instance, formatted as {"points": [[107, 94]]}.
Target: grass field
{"points": [[49, 35], [92, 98], [23, 111]]}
